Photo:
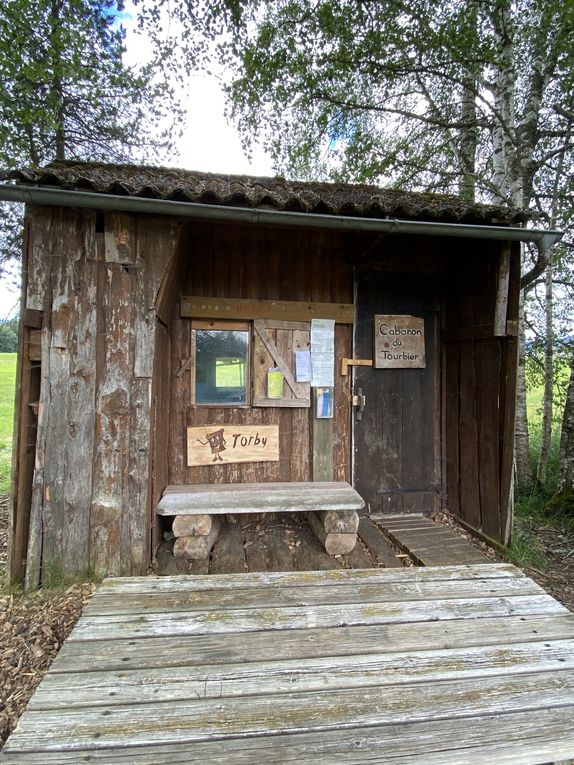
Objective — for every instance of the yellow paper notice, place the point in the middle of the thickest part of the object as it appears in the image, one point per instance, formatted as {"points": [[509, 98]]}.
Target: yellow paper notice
{"points": [[274, 383]]}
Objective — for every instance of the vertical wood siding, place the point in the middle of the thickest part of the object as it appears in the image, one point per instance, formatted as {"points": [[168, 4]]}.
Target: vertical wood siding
{"points": [[91, 504], [480, 377], [272, 264]]}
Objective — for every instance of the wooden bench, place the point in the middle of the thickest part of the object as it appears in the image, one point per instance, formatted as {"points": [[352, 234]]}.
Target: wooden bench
{"points": [[197, 509]]}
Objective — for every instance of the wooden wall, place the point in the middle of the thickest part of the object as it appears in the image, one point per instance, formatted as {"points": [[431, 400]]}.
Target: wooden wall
{"points": [[95, 283], [479, 390], [272, 264], [103, 405]]}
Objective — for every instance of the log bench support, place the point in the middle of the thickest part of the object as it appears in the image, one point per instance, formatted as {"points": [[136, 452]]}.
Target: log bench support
{"points": [[197, 509]]}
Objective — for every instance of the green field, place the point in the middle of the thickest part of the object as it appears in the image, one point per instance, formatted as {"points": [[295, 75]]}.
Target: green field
{"points": [[7, 383]]}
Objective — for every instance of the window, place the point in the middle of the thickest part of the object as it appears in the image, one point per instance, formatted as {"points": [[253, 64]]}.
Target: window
{"points": [[221, 363]]}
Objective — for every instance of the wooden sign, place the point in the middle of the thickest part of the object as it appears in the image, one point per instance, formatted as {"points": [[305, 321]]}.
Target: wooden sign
{"points": [[224, 444], [399, 342], [286, 310]]}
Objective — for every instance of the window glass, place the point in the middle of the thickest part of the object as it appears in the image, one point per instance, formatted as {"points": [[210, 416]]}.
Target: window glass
{"points": [[221, 366]]}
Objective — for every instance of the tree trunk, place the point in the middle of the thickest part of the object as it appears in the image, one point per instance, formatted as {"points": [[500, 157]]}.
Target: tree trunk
{"points": [[521, 448], [546, 434], [563, 501], [469, 129]]}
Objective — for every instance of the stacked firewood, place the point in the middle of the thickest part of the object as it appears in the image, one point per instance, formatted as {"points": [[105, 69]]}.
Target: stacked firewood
{"points": [[195, 535], [336, 530]]}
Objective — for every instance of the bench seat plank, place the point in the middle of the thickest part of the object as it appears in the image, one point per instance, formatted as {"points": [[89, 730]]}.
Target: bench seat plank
{"points": [[218, 499]]}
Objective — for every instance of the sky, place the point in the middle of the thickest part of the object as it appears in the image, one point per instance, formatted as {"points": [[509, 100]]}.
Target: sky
{"points": [[209, 143]]}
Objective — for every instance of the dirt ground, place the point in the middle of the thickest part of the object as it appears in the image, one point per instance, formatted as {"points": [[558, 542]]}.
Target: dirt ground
{"points": [[32, 630], [33, 627]]}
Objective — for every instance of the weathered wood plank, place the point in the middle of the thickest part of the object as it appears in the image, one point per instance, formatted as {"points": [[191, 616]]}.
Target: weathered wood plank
{"points": [[228, 556], [59, 691], [259, 498], [297, 712], [522, 738], [117, 603], [34, 547], [339, 576], [111, 454], [199, 650], [278, 554], [285, 310], [374, 540], [80, 405], [249, 620]]}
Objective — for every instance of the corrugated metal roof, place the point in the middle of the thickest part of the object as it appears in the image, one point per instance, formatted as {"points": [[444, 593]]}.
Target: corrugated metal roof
{"points": [[358, 200]]}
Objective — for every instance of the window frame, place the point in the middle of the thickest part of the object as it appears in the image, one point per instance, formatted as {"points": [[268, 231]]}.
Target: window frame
{"points": [[230, 325]]}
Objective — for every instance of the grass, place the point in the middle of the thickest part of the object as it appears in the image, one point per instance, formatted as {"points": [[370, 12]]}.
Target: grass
{"points": [[7, 385]]}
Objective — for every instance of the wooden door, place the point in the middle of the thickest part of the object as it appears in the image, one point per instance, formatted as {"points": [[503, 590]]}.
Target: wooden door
{"points": [[396, 445]]}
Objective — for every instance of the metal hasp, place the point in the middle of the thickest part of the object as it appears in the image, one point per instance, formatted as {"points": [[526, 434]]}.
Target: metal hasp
{"points": [[359, 401]]}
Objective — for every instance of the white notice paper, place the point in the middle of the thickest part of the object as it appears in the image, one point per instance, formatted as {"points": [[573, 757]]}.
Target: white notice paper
{"points": [[323, 370], [323, 336], [303, 366], [323, 352]]}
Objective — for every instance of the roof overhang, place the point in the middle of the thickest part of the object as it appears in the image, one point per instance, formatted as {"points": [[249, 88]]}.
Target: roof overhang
{"points": [[41, 195]]}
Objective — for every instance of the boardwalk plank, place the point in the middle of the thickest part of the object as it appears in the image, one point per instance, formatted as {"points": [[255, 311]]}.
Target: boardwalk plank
{"points": [[196, 650], [307, 578], [112, 603], [58, 691], [290, 713], [526, 738], [455, 665]]}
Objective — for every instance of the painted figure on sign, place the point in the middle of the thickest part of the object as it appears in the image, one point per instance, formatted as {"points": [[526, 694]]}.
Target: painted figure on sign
{"points": [[216, 443]]}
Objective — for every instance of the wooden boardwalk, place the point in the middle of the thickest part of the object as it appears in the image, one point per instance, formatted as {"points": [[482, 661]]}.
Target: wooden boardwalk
{"points": [[461, 665], [427, 542]]}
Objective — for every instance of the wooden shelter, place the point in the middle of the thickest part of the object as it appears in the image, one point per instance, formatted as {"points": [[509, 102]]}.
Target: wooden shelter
{"points": [[168, 321]]}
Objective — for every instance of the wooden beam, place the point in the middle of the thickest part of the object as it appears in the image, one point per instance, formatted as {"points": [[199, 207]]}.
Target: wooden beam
{"points": [[501, 305], [286, 310], [32, 318], [478, 332], [322, 445]]}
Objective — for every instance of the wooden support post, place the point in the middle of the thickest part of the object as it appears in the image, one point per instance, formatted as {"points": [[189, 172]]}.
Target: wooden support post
{"points": [[192, 525], [336, 543], [342, 522], [198, 547], [501, 306], [322, 445]]}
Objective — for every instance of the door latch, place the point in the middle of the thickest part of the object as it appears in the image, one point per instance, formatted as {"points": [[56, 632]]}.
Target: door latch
{"points": [[359, 401]]}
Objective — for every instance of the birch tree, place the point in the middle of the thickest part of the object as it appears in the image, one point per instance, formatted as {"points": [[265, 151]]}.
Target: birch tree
{"points": [[466, 96]]}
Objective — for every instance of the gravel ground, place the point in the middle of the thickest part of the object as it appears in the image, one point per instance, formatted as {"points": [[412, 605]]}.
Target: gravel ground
{"points": [[33, 627]]}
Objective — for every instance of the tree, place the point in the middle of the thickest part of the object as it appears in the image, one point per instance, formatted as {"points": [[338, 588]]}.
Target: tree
{"points": [[67, 93], [9, 336], [467, 96]]}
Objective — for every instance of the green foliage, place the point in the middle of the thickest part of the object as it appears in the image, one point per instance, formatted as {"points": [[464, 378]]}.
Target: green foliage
{"points": [[66, 89], [67, 93], [561, 505], [7, 388], [524, 549], [370, 91], [9, 336], [55, 579]]}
